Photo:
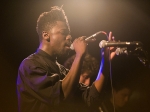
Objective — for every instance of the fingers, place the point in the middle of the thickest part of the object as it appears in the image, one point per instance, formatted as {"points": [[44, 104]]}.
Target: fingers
{"points": [[110, 37], [82, 38], [112, 49], [113, 38], [80, 45]]}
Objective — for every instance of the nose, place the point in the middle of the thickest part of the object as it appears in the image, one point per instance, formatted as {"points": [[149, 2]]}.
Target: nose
{"points": [[87, 81], [69, 37]]}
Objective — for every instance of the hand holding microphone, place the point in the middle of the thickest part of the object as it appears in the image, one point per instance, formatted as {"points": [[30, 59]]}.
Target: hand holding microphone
{"points": [[109, 37], [89, 38], [79, 45]]}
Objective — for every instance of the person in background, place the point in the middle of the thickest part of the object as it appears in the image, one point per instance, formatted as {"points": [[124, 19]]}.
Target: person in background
{"points": [[118, 100], [89, 68]]}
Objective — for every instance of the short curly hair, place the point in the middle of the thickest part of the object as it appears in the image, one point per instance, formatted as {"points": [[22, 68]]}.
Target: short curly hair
{"points": [[47, 20], [90, 64]]}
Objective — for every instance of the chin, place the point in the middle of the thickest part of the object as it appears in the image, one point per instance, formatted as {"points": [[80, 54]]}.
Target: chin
{"points": [[63, 53]]}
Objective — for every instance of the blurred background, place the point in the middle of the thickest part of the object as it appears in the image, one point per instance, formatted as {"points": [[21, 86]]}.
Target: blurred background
{"points": [[128, 20]]}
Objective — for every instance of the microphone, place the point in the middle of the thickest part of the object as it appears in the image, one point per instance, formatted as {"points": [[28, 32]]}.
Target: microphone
{"points": [[90, 37], [105, 43]]}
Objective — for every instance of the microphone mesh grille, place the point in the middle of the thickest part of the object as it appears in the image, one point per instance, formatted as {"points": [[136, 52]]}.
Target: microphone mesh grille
{"points": [[102, 43]]}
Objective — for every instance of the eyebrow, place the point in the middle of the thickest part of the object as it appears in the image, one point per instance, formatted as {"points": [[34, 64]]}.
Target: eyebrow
{"points": [[66, 30]]}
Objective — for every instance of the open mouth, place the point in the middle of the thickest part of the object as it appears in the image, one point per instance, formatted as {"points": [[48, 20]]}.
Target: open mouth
{"points": [[67, 47], [68, 44]]}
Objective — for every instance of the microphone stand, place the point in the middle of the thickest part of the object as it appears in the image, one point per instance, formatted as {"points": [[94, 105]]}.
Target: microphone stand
{"points": [[142, 55], [139, 52]]}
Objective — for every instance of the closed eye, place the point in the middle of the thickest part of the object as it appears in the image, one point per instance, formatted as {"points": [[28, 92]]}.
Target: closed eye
{"points": [[65, 32]]}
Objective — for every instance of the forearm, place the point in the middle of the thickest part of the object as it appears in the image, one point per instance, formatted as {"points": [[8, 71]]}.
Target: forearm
{"points": [[101, 81], [102, 75], [70, 82]]}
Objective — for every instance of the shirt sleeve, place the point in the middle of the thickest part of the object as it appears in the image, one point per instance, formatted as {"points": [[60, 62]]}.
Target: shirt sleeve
{"points": [[90, 95], [35, 81]]}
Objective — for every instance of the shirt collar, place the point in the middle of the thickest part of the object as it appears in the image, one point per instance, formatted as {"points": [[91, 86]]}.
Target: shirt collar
{"points": [[44, 54]]}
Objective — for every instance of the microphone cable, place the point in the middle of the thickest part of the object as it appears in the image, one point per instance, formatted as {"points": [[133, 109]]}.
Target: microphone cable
{"points": [[110, 75]]}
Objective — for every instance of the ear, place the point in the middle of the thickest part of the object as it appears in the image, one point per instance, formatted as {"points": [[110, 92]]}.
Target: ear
{"points": [[46, 36]]}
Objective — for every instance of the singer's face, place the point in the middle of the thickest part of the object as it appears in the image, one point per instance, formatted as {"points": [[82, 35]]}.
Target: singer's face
{"points": [[60, 39]]}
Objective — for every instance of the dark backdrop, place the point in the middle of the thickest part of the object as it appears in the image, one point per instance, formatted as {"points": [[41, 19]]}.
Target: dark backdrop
{"points": [[128, 20]]}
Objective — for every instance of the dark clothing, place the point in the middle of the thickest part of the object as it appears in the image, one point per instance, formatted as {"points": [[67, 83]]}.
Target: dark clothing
{"points": [[107, 106], [39, 85]]}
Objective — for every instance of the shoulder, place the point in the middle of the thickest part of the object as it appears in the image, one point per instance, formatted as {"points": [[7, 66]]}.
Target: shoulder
{"points": [[31, 61]]}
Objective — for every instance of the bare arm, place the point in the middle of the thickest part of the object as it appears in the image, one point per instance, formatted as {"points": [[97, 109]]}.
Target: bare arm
{"points": [[70, 82], [105, 67]]}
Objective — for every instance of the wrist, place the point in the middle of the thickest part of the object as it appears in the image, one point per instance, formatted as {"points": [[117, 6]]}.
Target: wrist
{"points": [[79, 55]]}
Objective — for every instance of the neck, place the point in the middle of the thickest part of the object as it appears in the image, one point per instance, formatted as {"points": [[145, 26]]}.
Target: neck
{"points": [[48, 51]]}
